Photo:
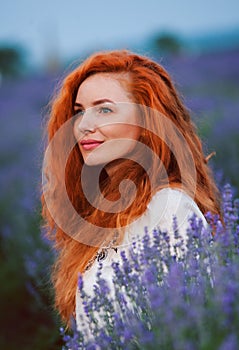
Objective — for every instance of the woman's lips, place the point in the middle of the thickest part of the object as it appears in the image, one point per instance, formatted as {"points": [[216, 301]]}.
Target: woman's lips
{"points": [[90, 144]]}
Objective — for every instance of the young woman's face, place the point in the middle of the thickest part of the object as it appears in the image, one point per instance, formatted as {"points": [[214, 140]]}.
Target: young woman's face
{"points": [[104, 117]]}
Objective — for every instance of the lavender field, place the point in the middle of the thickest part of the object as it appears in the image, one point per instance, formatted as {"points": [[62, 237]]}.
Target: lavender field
{"points": [[209, 85]]}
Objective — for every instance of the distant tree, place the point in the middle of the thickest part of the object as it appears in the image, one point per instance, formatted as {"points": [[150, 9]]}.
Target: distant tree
{"points": [[168, 44], [11, 61]]}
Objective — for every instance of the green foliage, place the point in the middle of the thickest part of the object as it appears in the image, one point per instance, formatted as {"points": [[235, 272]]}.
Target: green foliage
{"points": [[168, 44], [26, 301], [11, 61]]}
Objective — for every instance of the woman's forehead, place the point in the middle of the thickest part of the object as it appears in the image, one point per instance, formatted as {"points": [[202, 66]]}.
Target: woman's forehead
{"points": [[103, 86]]}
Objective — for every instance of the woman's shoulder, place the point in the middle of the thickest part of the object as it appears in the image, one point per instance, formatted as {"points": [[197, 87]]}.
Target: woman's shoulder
{"points": [[166, 204], [171, 193], [171, 199], [174, 202]]}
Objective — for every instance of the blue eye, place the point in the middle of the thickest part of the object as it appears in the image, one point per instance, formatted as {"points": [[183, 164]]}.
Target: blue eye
{"points": [[105, 110], [79, 112]]}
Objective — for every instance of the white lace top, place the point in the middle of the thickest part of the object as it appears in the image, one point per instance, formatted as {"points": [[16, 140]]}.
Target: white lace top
{"points": [[163, 206]]}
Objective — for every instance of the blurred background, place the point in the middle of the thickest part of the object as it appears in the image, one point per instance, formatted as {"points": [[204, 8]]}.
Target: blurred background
{"points": [[40, 42]]}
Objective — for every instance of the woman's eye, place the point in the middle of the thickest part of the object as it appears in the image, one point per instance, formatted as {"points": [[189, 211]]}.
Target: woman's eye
{"points": [[79, 112], [105, 110]]}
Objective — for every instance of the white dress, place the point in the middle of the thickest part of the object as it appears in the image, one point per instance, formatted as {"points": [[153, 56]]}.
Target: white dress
{"points": [[164, 205]]}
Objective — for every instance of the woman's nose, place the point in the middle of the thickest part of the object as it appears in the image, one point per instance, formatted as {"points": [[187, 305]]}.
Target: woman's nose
{"points": [[85, 123]]}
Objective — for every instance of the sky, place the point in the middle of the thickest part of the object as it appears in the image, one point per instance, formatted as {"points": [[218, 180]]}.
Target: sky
{"points": [[67, 28]]}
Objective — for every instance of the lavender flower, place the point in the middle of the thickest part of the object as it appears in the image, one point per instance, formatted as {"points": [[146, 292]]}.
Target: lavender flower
{"points": [[192, 304], [210, 86]]}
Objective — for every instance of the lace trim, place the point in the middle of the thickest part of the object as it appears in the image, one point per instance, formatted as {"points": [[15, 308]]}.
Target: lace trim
{"points": [[103, 253]]}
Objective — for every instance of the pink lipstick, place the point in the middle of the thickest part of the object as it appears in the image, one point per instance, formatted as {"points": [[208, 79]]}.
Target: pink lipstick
{"points": [[90, 144]]}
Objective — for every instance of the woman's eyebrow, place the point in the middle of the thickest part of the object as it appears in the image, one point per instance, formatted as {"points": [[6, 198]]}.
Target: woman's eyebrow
{"points": [[95, 103], [76, 104], [98, 102]]}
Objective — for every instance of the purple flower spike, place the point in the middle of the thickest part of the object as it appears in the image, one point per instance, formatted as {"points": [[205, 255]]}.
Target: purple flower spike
{"points": [[191, 288], [80, 281]]}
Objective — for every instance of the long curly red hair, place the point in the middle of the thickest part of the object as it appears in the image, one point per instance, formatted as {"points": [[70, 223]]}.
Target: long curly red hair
{"points": [[150, 86]]}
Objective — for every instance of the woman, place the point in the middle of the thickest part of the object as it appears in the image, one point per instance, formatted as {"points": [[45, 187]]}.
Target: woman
{"points": [[123, 155]]}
